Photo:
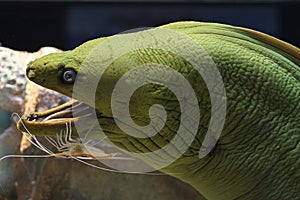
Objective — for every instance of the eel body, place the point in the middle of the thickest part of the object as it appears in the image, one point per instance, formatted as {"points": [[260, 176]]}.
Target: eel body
{"points": [[256, 155]]}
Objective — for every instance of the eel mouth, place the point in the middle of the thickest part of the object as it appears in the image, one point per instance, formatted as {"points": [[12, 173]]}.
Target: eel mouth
{"points": [[51, 121]]}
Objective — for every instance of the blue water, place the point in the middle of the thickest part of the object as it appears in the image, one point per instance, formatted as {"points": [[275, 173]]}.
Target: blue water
{"points": [[4, 120]]}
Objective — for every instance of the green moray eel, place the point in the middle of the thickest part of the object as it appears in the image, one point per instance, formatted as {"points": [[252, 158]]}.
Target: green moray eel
{"points": [[257, 153]]}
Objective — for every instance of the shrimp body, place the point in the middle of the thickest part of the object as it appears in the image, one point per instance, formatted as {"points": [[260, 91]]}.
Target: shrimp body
{"points": [[70, 148], [80, 150]]}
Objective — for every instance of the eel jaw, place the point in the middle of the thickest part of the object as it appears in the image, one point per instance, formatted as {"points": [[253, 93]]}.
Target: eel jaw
{"points": [[52, 121]]}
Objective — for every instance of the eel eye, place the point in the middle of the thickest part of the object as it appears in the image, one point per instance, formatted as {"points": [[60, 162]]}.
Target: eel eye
{"points": [[68, 76]]}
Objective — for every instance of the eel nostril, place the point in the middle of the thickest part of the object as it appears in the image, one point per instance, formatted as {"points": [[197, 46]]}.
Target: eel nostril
{"points": [[30, 73]]}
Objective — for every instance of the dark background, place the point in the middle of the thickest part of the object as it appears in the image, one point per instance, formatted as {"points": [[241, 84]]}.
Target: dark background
{"points": [[29, 26]]}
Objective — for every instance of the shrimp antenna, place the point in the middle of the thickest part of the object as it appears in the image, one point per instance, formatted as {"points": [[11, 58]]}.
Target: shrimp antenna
{"points": [[13, 115], [25, 156], [117, 171], [88, 132]]}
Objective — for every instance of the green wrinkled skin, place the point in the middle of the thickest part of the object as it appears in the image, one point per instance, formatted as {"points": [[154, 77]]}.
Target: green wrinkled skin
{"points": [[257, 156]]}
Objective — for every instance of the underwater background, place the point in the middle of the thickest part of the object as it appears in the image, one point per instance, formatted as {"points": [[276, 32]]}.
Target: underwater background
{"points": [[65, 25], [28, 26]]}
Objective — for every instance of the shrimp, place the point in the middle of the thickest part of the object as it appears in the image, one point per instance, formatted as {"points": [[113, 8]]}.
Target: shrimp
{"points": [[68, 147]]}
